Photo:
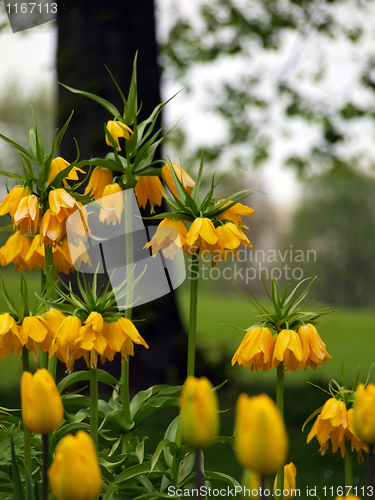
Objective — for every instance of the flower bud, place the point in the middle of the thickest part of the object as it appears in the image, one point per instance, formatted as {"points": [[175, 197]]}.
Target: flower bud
{"points": [[42, 408], [289, 489], [75, 473], [199, 416], [364, 413], [261, 438]]}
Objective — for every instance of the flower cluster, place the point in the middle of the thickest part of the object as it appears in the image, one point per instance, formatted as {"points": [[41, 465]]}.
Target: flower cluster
{"points": [[335, 424]]}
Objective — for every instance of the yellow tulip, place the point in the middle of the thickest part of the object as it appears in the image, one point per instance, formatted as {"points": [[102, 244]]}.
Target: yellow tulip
{"points": [[364, 413], [199, 417], [75, 473], [261, 438], [289, 489], [42, 409]]}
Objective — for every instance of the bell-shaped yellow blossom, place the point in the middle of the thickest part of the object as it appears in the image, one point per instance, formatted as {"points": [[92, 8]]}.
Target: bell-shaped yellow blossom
{"points": [[61, 204], [117, 129], [51, 229], [11, 201], [57, 165], [313, 347], [112, 202], [199, 417], [335, 423], [75, 473], [149, 189], [170, 238], [202, 235], [256, 350], [42, 409], [230, 237], [34, 334], [91, 336], [289, 490], [261, 438], [65, 342], [288, 349], [234, 213], [364, 413], [120, 336], [9, 337], [99, 179], [186, 180], [26, 218], [77, 228], [16, 250]]}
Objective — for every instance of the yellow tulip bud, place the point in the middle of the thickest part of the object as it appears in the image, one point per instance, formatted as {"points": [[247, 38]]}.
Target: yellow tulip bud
{"points": [[261, 438], [289, 490], [199, 416], [364, 413], [75, 473], [42, 409]]}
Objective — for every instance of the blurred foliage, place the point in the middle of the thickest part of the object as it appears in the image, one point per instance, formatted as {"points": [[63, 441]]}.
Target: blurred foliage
{"points": [[261, 95], [337, 219]]}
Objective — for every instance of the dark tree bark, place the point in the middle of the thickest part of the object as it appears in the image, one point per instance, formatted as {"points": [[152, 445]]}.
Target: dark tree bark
{"points": [[91, 35]]}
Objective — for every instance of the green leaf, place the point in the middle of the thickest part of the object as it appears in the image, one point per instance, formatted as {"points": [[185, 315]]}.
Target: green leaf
{"points": [[116, 421], [18, 489], [106, 104], [130, 106], [62, 131], [81, 376], [153, 405], [18, 147], [160, 447], [12, 175], [137, 470]]}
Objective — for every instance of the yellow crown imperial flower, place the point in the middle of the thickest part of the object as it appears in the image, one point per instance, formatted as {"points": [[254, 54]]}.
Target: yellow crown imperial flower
{"points": [[185, 178], [65, 340], [289, 489], [117, 129], [26, 218], [313, 347], [75, 472], [42, 409], [335, 423], [57, 165], [261, 438], [121, 335], [202, 235], [99, 179], [149, 189], [9, 336], [364, 413], [16, 250], [199, 417], [112, 203], [12, 200], [256, 350], [288, 350], [170, 238], [34, 334], [234, 213]]}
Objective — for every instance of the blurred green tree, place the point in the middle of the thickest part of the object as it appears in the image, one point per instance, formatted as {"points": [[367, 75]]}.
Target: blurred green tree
{"points": [[336, 219]]}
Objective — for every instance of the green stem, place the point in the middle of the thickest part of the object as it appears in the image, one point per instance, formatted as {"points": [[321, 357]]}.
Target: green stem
{"points": [[348, 464], [45, 467], [280, 405], [194, 277], [26, 431], [49, 295], [125, 397], [198, 472], [94, 421]]}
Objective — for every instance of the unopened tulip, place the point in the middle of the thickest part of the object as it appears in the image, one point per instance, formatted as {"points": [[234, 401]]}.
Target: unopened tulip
{"points": [[42, 409], [261, 438], [289, 489], [75, 472], [364, 413], [199, 416]]}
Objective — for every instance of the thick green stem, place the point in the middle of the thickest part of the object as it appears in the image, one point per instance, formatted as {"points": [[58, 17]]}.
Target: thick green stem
{"points": [[194, 277], [94, 405], [348, 464], [45, 467], [26, 431], [199, 474], [280, 405], [49, 295]]}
